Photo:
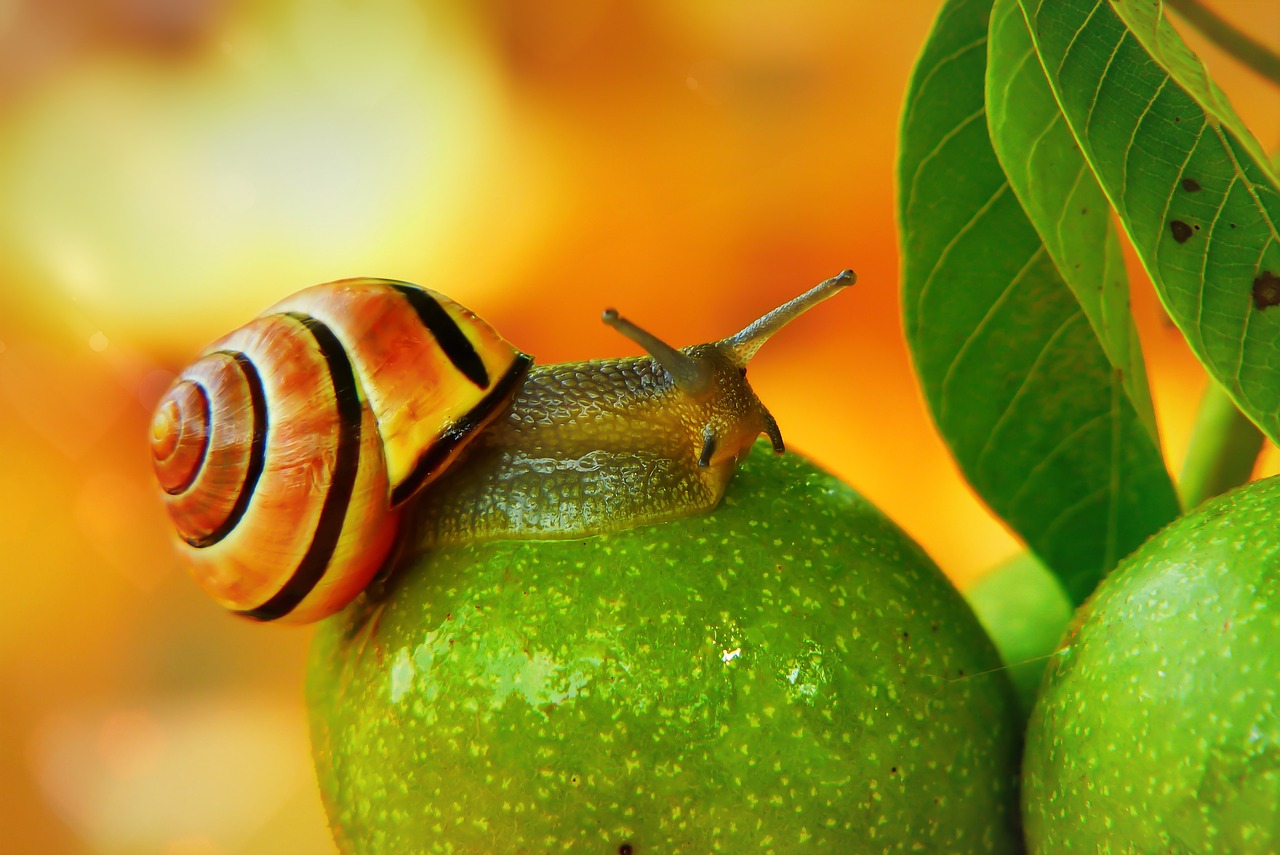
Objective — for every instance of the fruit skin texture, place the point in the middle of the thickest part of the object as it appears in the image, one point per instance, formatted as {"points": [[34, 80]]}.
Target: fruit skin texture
{"points": [[1157, 728], [789, 673]]}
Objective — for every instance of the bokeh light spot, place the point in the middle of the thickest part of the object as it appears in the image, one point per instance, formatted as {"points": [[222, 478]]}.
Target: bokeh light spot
{"points": [[319, 142], [131, 744], [191, 846], [147, 778], [116, 511]]}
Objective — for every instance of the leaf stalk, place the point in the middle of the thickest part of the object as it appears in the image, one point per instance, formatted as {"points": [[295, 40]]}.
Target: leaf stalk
{"points": [[1223, 452], [1225, 35]]}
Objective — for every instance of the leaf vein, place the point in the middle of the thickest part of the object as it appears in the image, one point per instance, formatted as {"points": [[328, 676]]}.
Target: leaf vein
{"points": [[1164, 214], [1009, 80], [1249, 186], [955, 239], [1035, 144], [1066, 52], [1203, 278], [1049, 456], [944, 387], [1132, 142], [1102, 79], [1048, 345], [1050, 531], [933, 72], [937, 151], [1062, 220]]}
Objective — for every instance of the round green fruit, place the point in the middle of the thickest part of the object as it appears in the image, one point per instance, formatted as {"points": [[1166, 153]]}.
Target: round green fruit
{"points": [[789, 673], [1157, 728], [1025, 611]]}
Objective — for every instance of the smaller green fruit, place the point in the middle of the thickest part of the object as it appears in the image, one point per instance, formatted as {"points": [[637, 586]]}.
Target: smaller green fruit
{"points": [[1157, 728], [789, 673], [1025, 611]]}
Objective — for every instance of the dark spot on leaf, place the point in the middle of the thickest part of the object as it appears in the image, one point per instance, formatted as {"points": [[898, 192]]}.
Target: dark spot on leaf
{"points": [[1177, 119], [1084, 210], [1266, 290], [1181, 231], [893, 770], [625, 849], [1190, 185]]}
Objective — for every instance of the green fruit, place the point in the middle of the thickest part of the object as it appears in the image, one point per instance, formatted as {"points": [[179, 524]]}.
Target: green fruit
{"points": [[789, 673], [1024, 609], [1158, 726]]}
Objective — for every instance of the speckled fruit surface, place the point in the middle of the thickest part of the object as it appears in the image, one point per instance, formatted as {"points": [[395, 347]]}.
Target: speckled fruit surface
{"points": [[1158, 726], [790, 673]]}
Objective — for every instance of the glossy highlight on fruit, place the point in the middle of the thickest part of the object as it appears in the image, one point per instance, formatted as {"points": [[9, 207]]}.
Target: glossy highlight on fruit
{"points": [[1157, 728], [789, 673]]}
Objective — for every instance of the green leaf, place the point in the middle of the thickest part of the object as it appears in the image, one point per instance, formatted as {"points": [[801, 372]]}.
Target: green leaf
{"points": [[1011, 368], [1191, 185], [1059, 194]]}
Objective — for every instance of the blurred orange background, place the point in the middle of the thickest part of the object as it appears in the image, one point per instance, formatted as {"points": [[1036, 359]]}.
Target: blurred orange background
{"points": [[171, 167]]}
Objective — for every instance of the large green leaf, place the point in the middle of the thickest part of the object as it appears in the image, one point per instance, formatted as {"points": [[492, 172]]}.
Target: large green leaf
{"points": [[1059, 194], [1016, 378], [1190, 184]]}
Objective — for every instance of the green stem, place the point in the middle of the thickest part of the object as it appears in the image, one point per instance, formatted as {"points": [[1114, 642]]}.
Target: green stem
{"points": [[1239, 44], [1224, 448]]}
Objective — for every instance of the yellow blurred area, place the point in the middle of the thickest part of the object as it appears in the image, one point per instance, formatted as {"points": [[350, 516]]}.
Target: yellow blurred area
{"points": [[171, 167]]}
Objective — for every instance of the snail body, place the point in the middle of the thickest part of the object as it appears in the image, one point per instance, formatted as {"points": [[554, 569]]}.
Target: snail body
{"points": [[289, 451], [585, 445]]}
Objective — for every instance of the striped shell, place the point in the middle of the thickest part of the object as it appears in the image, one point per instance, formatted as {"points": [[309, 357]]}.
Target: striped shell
{"points": [[286, 452]]}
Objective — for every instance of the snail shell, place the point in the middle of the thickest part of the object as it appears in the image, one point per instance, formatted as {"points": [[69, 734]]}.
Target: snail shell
{"points": [[286, 452]]}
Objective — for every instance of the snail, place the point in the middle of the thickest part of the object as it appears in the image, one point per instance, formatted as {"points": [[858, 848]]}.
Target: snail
{"points": [[290, 452]]}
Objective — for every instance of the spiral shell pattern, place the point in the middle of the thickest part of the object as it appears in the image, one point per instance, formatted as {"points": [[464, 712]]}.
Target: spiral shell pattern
{"points": [[287, 451]]}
